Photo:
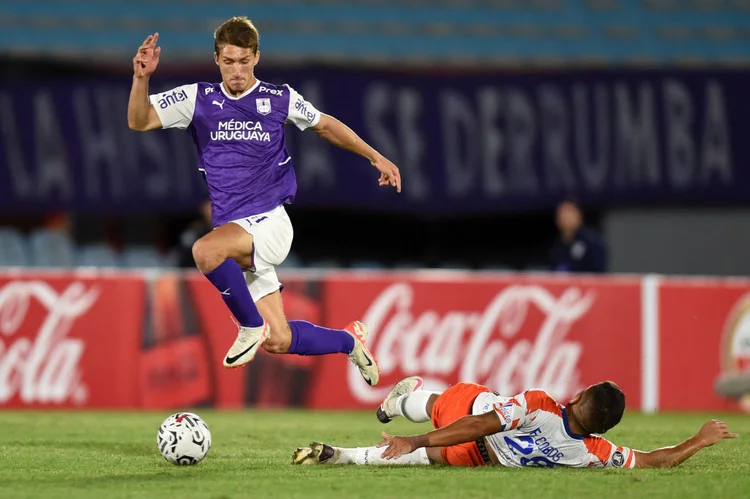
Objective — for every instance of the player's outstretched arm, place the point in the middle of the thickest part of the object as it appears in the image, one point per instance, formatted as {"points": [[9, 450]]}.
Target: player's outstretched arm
{"points": [[465, 429], [667, 457], [342, 136], [141, 114]]}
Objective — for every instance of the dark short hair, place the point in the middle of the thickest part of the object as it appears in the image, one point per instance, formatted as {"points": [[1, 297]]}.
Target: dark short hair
{"points": [[605, 407], [237, 31], [569, 200]]}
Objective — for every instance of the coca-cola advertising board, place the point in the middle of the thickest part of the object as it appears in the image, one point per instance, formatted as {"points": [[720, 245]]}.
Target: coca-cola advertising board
{"points": [[68, 340], [134, 341], [188, 330], [156, 341], [507, 332]]}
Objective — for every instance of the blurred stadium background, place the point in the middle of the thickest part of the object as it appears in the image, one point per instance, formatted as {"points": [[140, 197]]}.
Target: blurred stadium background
{"points": [[495, 110], [637, 112]]}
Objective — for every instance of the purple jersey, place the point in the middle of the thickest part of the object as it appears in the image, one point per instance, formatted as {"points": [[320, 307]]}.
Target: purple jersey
{"points": [[240, 142]]}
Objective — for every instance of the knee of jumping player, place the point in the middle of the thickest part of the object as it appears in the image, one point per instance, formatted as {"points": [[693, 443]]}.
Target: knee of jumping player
{"points": [[279, 340], [208, 255]]}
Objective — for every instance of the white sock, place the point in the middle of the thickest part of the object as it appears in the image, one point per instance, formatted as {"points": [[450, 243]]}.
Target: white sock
{"points": [[413, 406], [371, 455]]}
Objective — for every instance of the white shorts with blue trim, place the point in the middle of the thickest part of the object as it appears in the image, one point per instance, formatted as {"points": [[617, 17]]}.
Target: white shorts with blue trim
{"points": [[272, 239]]}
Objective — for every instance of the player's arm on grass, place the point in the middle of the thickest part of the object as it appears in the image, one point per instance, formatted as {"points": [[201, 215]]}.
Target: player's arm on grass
{"points": [[667, 457], [141, 113], [465, 429], [342, 136]]}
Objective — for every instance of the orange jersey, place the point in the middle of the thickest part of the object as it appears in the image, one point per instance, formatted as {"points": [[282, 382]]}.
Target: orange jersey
{"points": [[536, 433]]}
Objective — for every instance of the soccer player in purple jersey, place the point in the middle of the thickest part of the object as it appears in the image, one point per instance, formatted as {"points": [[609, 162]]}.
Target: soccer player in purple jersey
{"points": [[238, 128]]}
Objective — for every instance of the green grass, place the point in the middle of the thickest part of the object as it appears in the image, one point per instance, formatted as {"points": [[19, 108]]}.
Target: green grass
{"points": [[114, 455]]}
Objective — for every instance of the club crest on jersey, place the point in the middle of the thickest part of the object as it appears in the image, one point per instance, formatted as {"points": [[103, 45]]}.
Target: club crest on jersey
{"points": [[263, 105]]}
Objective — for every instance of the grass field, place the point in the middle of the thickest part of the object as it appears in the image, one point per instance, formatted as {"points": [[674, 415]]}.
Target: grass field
{"points": [[114, 455]]}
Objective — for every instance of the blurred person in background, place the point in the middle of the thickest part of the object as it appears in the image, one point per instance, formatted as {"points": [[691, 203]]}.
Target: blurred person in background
{"points": [[197, 229], [579, 248]]}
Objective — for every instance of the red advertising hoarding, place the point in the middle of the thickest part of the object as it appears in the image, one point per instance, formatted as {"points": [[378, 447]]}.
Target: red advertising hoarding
{"points": [[507, 332], [127, 340], [68, 340], [704, 333]]}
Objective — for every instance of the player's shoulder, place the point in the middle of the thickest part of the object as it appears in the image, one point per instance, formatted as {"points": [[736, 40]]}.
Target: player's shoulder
{"points": [[273, 90], [180, 95], [538, 399], [538, 394], [599, 447], [595, 441], [207, 89]]}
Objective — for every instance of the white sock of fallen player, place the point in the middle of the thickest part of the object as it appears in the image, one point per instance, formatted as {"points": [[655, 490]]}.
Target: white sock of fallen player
{"points": [[372, 455], [413, 406]]}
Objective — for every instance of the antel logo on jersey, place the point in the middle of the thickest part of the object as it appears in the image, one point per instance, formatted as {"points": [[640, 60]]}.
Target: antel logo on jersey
{"points": [[42, 367], [479, 346], [271, 91], [176, 96], [300, 106], [734, 380]]}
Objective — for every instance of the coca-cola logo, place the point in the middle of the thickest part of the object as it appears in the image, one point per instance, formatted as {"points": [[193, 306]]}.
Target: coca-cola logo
{"points": [[44, 366], [480, 346]]}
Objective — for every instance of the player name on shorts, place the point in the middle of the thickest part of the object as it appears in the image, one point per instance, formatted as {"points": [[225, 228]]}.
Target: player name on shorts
{"points": [[241, 130]]}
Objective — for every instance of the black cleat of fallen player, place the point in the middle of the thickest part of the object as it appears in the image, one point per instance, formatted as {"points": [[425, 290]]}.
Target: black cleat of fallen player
{"points": [[382, 416]]}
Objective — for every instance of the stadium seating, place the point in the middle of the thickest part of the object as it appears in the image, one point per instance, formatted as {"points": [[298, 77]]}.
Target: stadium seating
{"points": [[324, 264], [407, 265], [13, 248], [96, 255], [366, 265], [51, 248], [541, 31], [497, 267], [454, 265], [142, 257]]}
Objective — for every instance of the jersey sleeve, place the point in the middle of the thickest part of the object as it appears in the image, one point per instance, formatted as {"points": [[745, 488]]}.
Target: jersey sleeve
{"points": [[301, 113], [176, 107], [604, 454], [512, 412]]}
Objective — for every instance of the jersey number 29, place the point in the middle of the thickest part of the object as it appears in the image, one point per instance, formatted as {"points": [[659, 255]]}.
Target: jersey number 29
{"points": [[526, 449]]}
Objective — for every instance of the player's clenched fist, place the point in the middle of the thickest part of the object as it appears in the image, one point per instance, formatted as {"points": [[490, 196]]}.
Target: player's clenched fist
{"points": [[147, 57]]}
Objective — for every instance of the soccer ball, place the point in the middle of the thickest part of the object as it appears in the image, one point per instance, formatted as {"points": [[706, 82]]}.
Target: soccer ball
{"points": [[184, 438]]}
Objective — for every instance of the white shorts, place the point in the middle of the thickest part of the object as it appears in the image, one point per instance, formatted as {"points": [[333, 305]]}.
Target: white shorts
{"points": [[272, 239]]}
